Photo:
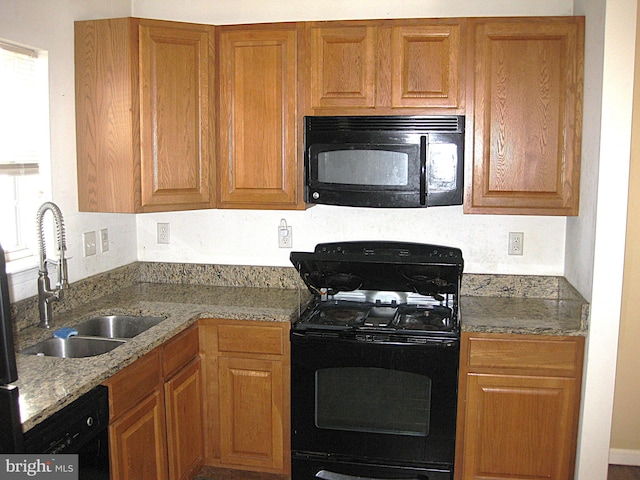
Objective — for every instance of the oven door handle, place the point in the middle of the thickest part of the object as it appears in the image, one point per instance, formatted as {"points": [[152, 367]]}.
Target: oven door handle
{"points": [[329, 475]]}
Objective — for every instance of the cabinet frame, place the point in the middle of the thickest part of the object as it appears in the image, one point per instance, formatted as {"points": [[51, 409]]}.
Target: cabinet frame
{"points": [[374, 67], [133, 156], [502, 375], [158, 398], [245, 361], [259, 122], [524, 115]]}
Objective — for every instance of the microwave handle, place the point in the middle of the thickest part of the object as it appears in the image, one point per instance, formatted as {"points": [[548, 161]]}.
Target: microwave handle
{"points": [[423, 170]]}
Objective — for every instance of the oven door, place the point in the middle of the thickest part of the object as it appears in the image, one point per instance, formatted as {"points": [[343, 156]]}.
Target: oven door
{"points": [[392, 404]]}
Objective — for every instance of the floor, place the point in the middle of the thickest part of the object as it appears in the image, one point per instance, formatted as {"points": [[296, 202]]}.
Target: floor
{"points": [[616, 472], [211, 473], [623, 472]]}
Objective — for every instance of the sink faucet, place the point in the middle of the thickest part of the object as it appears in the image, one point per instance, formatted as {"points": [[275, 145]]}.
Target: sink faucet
{"points": [[46, 295]]}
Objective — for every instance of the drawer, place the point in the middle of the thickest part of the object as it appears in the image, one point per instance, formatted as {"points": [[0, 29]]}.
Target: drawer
{"points": [[258, 339], [531, 354], [132, 384], [179, 351]]}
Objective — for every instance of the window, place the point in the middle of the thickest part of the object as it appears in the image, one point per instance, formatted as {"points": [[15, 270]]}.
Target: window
{"points": [[24, 147]]}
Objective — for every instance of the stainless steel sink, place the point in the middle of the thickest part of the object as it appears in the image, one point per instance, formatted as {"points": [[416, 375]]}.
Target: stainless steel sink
{"points": [[73, 347], [116, 326]]}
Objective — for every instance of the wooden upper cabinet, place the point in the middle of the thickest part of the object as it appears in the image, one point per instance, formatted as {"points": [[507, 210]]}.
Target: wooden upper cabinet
{"points": [[144, 115], [259, 162], [386, 67], [525, 80]]}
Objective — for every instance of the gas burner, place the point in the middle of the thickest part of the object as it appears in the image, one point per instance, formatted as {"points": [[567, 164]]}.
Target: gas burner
{"points": [[345, 314], [405, 290], [433, 318]]}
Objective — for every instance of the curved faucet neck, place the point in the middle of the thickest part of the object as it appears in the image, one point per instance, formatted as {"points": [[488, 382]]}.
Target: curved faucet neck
{"points": [[46, 294]]}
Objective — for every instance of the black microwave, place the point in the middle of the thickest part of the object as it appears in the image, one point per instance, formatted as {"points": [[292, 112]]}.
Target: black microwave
{"points": [[384, 161]]}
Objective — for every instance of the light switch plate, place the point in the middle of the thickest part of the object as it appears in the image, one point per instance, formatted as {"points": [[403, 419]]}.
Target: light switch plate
{"points": [[89, 243]]}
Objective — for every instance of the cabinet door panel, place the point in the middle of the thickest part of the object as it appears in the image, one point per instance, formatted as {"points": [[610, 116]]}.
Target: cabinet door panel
{"points": [[426, 66], [527, 91], [257, 165], [518, 427], [183, 394], [343, 66], [138, 444], [251, 412], [174, 106]]}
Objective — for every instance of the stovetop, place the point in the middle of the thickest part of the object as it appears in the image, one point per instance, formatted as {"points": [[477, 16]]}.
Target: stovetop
{"points": [[404, 289]]}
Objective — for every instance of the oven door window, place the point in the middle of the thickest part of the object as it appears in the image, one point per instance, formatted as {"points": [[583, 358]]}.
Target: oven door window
{"points": [[364, 167], [358, 399]]}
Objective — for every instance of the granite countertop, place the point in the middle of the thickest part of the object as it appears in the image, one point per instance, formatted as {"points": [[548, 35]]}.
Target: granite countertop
{"points": [[535, 316], [48, 383]]}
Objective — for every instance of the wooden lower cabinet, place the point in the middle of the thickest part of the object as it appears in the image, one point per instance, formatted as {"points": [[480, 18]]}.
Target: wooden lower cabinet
{"points": [[518, 406], [183, 403], [137, 441], [155, 429], [246, 376]]}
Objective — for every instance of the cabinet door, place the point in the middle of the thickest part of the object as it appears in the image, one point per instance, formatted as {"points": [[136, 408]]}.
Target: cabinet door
{"points": [[258, 154], [183, 400], [251, 412], [176, 62], [138, 442], [526, 80], [519, 427], [343, 66], [426, 66]]}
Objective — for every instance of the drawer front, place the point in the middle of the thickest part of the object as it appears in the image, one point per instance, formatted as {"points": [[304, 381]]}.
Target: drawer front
{"points": [[180, 351], [129, 386], [527, 353], [258, 339]]}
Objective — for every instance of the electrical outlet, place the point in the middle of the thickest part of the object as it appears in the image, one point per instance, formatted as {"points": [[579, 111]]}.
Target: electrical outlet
{"points": [[284, 235], [516, 243], [163, 233], [89, 243], [104, 239]]}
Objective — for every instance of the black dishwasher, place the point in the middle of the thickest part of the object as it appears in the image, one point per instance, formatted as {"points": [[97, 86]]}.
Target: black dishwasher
{"points": [[79, 428]]}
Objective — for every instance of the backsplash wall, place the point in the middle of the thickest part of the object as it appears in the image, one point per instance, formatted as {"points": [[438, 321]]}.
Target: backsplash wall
{"points": [[25, 312]]}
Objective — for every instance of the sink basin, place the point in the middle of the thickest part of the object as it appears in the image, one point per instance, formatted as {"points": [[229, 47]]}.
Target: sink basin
{"points": [[116, 326], [73, 347]]}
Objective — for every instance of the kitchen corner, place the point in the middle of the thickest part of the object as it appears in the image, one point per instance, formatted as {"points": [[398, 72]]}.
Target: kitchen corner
{"points": [[184, 293]]}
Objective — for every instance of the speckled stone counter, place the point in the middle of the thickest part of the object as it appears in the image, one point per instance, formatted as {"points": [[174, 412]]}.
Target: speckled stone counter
{"points": [[522, 304], [184, 293], [47, 384]]}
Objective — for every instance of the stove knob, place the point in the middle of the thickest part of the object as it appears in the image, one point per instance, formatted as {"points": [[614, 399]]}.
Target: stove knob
{"points": [[315, 195]]}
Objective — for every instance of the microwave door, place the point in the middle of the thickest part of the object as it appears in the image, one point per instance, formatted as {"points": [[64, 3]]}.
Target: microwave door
{"points": [[444, 170]]}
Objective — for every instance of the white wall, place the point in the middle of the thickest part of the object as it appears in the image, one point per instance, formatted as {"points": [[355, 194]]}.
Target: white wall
{"points": [[48, 25], [611, 68], [223, 12], [250, 237]]}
